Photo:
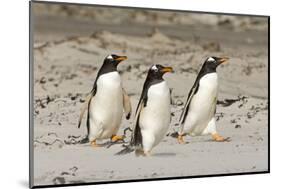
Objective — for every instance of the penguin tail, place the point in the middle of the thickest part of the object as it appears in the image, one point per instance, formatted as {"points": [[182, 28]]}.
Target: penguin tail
{"points": [[127, 149], [84, 140], [79, 124], [128, 116]]}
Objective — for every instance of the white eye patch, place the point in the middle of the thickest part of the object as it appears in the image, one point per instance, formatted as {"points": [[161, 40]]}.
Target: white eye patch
{"points": [[109, 57], [154, 67], [211, 59]]}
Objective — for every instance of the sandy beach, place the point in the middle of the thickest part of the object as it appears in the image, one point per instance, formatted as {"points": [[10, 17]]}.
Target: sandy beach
{"points": [[69, 50]]}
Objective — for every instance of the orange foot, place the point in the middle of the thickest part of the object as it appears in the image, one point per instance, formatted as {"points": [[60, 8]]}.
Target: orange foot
{"points": [[141, 152], [115, 138], [180, 139], [94, 144], [147, 153], [216, 137]]}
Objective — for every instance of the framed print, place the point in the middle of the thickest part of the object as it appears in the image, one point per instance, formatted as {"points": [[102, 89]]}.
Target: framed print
{"points": [[123, 94]]}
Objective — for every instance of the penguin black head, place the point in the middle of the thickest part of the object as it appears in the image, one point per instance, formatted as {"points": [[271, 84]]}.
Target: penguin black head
{"points": [[114, 60], [213, 62], [111, 62], [154, 76], [157, 71]]}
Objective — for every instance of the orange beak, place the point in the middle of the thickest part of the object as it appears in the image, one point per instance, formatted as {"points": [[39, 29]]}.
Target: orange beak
{"points": [[121, 58], [167, 69], [223, 60]]}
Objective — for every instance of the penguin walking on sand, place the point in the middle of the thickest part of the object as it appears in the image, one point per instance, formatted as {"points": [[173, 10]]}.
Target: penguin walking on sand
{"points": [[198, 115], [106, 102], [153, 113]]}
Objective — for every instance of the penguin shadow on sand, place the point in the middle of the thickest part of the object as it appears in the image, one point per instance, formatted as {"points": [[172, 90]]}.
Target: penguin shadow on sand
{"points": [[163, 154]]}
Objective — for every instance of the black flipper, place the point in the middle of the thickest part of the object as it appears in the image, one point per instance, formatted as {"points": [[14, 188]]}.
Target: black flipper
{"points": [[88, 118], [192, 92], [137, 137]]}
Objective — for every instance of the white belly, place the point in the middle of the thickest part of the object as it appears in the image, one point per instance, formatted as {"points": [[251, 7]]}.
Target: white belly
{"points": [[155, 117], [106, 107], [202, 106]]}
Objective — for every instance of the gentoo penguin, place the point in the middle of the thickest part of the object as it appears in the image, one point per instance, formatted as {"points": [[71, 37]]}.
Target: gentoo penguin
{"points": [[153, 113], [198, 115], [106, 102]]}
